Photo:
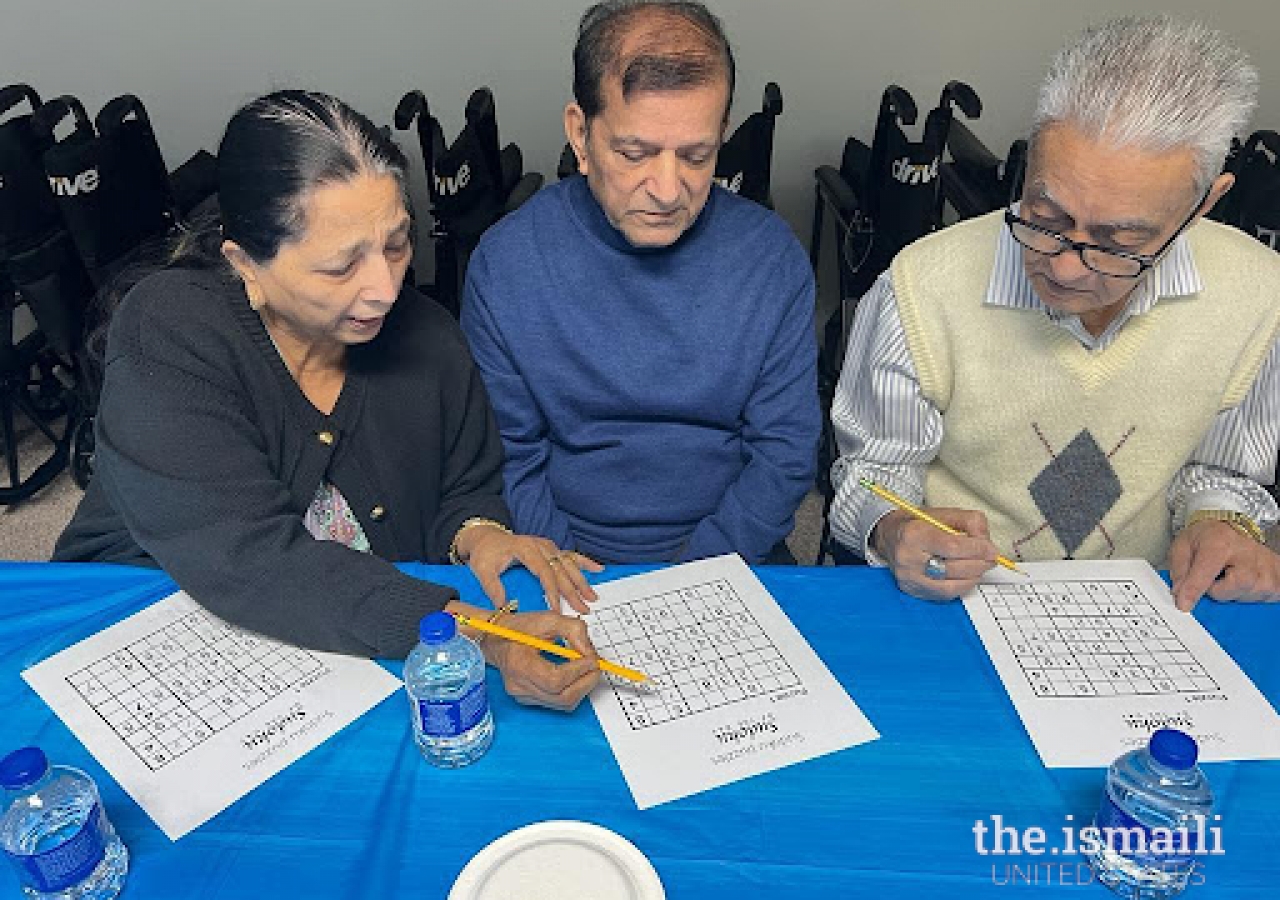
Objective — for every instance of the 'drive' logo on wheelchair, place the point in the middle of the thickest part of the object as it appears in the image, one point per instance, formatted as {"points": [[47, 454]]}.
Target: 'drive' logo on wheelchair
{"points": [[920, 173], [451, 184], [733, 184], [85, 183]]}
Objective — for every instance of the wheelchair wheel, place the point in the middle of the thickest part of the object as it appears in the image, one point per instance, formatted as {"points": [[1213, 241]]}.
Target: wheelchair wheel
{"points": [[82, 452], [47, 393]]}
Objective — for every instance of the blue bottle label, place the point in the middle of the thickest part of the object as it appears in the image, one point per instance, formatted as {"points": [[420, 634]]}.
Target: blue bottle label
{"points": [[450, 718], [70, 862], [1167, 848]]}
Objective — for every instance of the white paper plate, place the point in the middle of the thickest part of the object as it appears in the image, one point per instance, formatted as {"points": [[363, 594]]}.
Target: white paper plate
{"points": [[559, 860]]}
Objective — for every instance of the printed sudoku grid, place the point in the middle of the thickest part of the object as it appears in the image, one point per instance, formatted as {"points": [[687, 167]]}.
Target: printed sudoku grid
{"points": [[178, 686], [700, 646], [1092, 639]]}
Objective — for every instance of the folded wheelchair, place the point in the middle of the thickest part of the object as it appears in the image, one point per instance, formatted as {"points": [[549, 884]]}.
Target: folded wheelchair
{"points": [[1253, 203], [975, 181], [75, 205], [472, 183], [880, 199]]}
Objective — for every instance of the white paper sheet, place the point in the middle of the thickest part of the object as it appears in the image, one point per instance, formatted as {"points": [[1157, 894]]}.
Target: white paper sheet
{"points": [[1095, 657], [735, 690], [189, 714]]}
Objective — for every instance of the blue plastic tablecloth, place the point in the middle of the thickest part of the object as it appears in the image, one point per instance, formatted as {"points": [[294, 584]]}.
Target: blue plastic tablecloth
{"points": [[363, 816]]}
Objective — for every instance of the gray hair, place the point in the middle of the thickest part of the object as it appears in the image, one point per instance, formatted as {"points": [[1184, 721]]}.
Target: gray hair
{"points": [[278, 149], [1155, 84]]}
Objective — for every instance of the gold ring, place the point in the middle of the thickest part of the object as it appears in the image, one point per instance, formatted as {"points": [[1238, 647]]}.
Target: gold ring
{"points": [[553, 560]]}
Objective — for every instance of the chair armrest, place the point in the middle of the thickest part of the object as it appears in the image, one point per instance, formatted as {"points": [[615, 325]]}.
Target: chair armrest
{"points": [[968, 151], [836, 191]]}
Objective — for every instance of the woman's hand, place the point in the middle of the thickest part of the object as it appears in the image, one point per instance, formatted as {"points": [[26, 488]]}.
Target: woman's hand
{"points": [[490, 551], [533, 679]]}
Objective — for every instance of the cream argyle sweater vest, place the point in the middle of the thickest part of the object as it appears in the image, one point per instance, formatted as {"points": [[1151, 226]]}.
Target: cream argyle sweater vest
{"points": [[1070, 452]]}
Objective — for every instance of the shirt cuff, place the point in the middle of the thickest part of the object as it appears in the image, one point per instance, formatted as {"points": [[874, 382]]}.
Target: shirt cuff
{"points": [[1228, 501], [856, 511], [873, 514]]}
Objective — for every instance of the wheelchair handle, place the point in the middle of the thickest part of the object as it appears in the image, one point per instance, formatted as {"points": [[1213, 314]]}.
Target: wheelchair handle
{"points": [[898, 102], [1015, 169], [14, 94], [114, 114], [479, 104], [773, 99], [412, 105], [48, 117], [959, 94], [482, 115]]}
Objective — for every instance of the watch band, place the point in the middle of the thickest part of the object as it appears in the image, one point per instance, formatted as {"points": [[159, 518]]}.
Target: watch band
{"points": [[1237, 520]]}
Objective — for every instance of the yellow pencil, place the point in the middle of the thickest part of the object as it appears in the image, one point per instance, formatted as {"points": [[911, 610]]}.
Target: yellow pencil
{"points": [[886, 494], [546, 646]]}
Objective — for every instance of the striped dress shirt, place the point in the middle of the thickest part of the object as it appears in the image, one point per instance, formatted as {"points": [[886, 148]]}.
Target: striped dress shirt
{"points": [[888, 432]]}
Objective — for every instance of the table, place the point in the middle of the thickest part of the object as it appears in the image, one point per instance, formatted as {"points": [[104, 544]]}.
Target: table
{"points": [[364, 816]]}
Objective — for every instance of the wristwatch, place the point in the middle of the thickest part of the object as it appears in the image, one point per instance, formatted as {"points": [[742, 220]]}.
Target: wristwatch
{"points": [[1237, 520]]}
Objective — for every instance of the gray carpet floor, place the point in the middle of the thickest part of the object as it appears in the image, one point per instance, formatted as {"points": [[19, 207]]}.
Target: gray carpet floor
{"points": [[28, 530]]}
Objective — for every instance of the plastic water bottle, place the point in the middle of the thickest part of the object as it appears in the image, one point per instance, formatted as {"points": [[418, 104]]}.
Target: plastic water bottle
{"points": [[1157, 786], [448, 704], [56, 833]]}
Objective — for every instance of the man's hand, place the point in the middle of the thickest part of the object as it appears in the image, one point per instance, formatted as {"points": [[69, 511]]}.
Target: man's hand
{"points": [[908, 545], [1214, 558]]}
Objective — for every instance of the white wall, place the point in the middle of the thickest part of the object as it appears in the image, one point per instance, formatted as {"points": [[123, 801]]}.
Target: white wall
{"points": [[194, 63]]}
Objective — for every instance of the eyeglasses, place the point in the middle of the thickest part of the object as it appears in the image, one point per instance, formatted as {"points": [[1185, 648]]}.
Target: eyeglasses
{"points": [[1104, 261]]}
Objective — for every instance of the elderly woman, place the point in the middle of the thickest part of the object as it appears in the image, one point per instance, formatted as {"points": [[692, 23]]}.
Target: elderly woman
{"points": [[282, 417]]}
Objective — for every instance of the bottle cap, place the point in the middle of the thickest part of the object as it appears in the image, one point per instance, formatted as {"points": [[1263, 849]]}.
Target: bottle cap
{"points": [[1173, 748], [437, 627], [22, 768]]}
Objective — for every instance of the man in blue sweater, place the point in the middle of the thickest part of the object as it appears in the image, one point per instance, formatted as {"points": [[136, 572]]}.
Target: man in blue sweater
{"points": [[645, 337]]}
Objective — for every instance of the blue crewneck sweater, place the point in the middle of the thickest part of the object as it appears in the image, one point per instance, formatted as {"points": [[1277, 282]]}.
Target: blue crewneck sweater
{"points": [[654, 405]]}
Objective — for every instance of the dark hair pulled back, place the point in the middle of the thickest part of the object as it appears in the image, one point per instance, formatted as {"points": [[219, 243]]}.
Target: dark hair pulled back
{"points": [[276, 150]]}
